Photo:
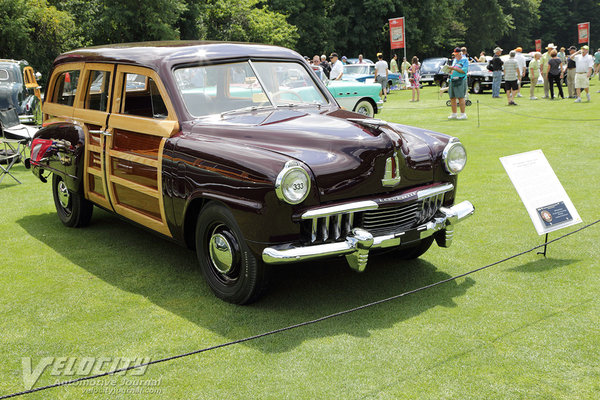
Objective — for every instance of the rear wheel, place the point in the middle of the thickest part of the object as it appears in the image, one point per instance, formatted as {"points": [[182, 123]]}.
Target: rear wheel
{"points": [[231, 270], [416, 250], [72, 208], [365, 107]]}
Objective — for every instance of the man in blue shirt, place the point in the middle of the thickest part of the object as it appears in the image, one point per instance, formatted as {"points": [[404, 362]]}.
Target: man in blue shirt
{"points": [[458, 84]]}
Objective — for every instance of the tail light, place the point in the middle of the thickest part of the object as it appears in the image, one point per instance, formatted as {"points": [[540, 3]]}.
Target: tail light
{"points": [[39, 148]]}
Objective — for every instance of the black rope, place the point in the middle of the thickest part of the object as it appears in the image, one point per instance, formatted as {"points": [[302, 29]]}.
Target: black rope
{"points": [[287, 328], [534, 116]]}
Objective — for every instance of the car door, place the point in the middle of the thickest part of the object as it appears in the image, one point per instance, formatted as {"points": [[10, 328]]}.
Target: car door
{"points": [[141, 120], [92, 109]]}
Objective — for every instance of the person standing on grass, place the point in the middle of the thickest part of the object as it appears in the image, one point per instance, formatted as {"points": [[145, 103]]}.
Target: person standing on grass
{"points": [[404, 68], [571, 72], [597, 64], [545, 67], [458, 84], [555, 74], [584, 65], [381, 75], [416, 78], [394, 64], [511, 71], [337, 68], [495, 65], [521, 61], [535, 69]]}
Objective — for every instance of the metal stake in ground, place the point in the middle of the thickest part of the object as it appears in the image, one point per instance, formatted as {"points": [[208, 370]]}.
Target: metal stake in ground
{"points": [[545, 247]]}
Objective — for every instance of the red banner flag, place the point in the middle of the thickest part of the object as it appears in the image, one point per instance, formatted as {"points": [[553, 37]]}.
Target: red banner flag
{"points": [[538, 45], [397, 33], [583, 31]]}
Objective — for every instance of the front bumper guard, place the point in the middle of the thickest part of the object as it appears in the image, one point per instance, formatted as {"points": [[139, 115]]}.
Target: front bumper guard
{"points": [[357, 244]]}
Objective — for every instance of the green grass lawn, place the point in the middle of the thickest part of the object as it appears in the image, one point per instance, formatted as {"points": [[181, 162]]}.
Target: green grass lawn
{"points": [[525, 329]]}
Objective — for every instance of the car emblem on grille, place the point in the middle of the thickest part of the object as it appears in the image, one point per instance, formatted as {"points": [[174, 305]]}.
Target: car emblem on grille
{"points": [[391, 177]]}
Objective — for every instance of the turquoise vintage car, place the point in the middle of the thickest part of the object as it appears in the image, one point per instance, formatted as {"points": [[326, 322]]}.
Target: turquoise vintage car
{"points": [[359, 97], [366, 73]]}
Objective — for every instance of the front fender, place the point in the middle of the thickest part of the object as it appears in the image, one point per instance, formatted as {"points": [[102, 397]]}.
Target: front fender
{"points": [[65, 156]]}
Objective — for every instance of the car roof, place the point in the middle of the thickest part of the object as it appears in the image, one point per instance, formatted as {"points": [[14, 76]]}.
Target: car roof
{"points": [[157, 55]]}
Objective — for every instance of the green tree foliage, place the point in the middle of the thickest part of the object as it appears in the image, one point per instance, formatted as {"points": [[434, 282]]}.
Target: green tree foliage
{"points": [[559, 19], [35, 31], [247, 21], [524, 18], [486, 24]]}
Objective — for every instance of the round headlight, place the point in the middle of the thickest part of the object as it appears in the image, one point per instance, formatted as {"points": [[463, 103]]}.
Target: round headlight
{"points": [[454, 156], [292, 184]]}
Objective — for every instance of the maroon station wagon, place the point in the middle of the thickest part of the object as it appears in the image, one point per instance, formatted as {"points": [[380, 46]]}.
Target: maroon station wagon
{"points": [[240, 152]]}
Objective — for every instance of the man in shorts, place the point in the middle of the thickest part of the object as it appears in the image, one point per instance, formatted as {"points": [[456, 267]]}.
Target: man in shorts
{"points": [[458, 84], [381, 75], [584, 65], [511, 76]]}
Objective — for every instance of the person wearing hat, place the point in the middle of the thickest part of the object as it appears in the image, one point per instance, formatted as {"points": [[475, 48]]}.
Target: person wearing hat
{"points": [[584, 65], [344, 60], [521, 61], [546, 68], [337, 68], [458, 83], [495, 65], [571, 72]]}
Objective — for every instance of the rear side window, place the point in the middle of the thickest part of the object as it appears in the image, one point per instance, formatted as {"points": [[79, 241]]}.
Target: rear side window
{"points": [[65, 88], [96, 97], [3, 75], [142, 97]]}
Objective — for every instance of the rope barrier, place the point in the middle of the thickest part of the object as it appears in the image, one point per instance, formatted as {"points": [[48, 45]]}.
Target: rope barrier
{"points": [[287, 328]]}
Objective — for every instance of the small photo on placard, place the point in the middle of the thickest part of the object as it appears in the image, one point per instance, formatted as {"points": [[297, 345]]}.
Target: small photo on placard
{"points": [[554, 214]]}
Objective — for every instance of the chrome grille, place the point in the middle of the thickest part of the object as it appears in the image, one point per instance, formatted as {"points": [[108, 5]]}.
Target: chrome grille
{"points": [[335, 223], [403, 216]]}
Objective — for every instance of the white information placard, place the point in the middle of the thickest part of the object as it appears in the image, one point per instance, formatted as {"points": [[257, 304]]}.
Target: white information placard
{"points": [[545, 199]]}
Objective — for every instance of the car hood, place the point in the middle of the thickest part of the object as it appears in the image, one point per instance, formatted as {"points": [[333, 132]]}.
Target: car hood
{"points": [[346, 158]]}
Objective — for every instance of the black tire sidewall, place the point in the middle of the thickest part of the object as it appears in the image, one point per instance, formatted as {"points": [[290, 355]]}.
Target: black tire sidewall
{"points": [[252, 274], [80, 208]]}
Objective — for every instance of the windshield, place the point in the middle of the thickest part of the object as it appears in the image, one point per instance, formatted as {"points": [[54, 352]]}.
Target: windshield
{"points": [[432, 65], [216, 89], [475, 67], [358, 69]]}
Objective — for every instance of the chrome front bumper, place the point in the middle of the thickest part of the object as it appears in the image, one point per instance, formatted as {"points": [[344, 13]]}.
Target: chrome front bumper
{"points": [[358, 243]]}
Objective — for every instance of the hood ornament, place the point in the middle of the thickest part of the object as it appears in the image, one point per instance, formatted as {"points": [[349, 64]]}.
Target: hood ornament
{"points": [[391, 176]]}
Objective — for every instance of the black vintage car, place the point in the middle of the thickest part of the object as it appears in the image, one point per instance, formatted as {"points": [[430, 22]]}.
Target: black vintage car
{"points": [[207, 144], [19, 90], [431, 71]]}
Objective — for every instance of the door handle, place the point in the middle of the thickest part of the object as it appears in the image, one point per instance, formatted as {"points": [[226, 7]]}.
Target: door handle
{"points": [[99, 132]]}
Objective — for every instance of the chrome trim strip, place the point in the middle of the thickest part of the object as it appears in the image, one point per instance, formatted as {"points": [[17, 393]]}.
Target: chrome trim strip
{"points": [[434, 191], [340, 209], [357, 244]]}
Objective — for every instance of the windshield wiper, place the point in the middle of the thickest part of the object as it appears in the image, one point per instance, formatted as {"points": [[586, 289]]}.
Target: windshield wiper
{"points": [[292, 105], [248, 109]]}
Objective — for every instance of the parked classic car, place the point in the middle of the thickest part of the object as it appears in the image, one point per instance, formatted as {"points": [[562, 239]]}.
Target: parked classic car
{"points": [[19, 90], [359, 97], [366, 73], [220, 152], [431, 71], [355, 61]]}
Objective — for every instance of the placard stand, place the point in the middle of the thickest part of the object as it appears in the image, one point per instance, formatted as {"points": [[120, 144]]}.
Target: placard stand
{"points": [[545, 247]]}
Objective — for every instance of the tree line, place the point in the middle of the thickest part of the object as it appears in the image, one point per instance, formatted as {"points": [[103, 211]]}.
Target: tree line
{"points": [[39, 30]]}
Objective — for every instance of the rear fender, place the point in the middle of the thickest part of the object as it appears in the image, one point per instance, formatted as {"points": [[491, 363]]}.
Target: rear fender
{"points": [[59, 148]]}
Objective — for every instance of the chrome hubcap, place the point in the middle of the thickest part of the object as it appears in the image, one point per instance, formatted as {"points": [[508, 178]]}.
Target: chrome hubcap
{"points": [[221, 253], [63, 194], [363, 110]]}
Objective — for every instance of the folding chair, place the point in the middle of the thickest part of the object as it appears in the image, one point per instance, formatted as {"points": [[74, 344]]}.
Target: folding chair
{"points": [[10, 154]]}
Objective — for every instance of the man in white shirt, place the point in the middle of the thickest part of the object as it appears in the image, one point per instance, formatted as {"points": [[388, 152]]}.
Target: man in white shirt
{"points": [[337, 68], [584, 65], [381, 75], [520, 59]]}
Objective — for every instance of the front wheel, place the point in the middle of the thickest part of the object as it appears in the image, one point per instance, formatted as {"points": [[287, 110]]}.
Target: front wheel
{"points": [[477, 88], [231, 270], [365, 107], [73, 209]]}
